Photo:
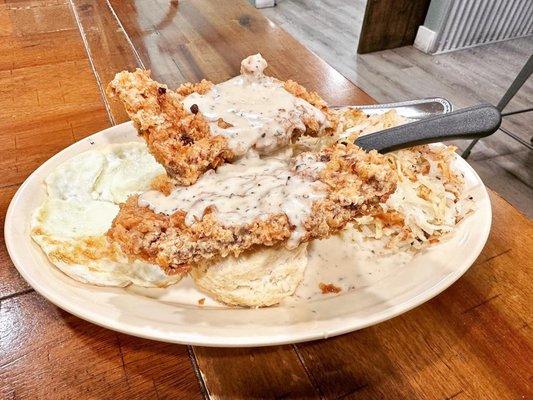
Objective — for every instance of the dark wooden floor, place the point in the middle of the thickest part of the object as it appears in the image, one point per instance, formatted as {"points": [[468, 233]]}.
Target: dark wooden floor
{"points": [[331, 28]]}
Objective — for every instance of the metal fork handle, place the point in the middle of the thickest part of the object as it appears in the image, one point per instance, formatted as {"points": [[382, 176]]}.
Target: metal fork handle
{"points": [[419, 108], [467, 123]]}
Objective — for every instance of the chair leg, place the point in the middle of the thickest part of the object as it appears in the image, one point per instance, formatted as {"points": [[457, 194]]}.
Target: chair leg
{"points": [[518, 82], [468, 150]]}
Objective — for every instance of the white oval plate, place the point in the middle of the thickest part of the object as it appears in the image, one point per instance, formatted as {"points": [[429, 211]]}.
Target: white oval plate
{"points": [[176, 316]]}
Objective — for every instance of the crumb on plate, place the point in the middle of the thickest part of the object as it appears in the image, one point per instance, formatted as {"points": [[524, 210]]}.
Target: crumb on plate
{"points": [[329, 288]]}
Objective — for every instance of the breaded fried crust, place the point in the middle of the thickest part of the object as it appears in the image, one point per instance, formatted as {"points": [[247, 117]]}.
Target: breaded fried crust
{"points": [[315, 100], [356, 181], [179, 140]]}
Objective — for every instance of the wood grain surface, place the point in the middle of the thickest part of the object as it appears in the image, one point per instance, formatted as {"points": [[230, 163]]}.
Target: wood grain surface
{"points": [[471, 342], [388, 24]]}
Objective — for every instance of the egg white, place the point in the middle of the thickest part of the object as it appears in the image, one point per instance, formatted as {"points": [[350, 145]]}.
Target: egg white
{"points": [[128, 169], [75, 178], [83, 197]]}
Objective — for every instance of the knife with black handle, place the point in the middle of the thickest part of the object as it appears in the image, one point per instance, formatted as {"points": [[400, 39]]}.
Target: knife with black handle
{"points": [[467, 123]]}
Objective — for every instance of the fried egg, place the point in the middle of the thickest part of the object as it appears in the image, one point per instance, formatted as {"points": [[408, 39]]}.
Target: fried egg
{"points": [[83, 197], [129, 168], [75, 178]]}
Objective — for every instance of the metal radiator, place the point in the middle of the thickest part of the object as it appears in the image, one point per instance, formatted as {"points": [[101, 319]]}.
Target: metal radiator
{"points": [[473, 22]]}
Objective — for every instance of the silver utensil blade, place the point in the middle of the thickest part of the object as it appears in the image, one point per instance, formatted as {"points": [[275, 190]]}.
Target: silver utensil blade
{"points": [[412, 109]]}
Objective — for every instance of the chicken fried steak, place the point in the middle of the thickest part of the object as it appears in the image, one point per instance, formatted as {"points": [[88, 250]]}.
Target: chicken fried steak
{"points": [[257, 201], [200, 126]]}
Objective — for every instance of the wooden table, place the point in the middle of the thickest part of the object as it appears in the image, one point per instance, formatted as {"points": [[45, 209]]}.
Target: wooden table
{"points": [[471, 342]]}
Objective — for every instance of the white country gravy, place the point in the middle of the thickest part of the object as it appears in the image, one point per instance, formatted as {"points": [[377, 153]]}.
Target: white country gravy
{"points": [[352, 261], [251, 188], [262, 114]]}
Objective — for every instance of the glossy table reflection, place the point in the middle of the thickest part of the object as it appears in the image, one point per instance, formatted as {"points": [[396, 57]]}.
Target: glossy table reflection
{"points": [[472, 341]]}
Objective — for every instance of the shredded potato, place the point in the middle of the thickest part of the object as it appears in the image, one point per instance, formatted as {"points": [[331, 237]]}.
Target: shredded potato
{"points": [[428, 200]]}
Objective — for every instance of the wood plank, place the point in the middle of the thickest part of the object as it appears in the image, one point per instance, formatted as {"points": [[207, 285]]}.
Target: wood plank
{"points": [[108, 46], [266, 373], [207, 40], [10, 280], [50, 98], [388, 24], [46, 101], [510, 174], [472, 341], [49, 353]]}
